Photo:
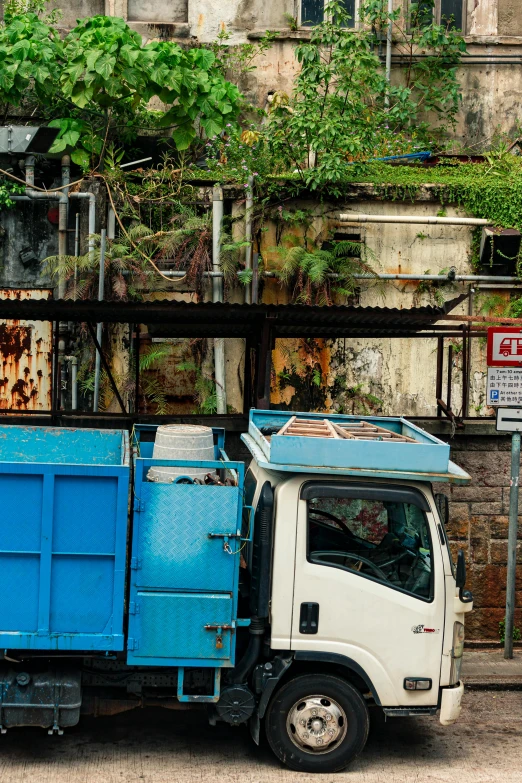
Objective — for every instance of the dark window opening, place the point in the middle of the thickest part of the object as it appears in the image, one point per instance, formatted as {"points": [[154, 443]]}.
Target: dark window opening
{"points": [[312, 12], [387, 541], [451, 12]]}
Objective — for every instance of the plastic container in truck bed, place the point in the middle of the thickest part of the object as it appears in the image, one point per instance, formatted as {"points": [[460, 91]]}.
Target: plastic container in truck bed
{"points": [[63, 530]]}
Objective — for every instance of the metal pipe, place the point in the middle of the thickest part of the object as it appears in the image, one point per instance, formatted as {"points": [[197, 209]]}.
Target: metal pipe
{"points": [[217, 227], [414, 219], [111, 223], [217, 296], [92, 217], [410, 277], [512, 545], [99, 327], [440, 365], [248, 235], [389, 34], [74, 380], [63, 212], [450, 371], [76, 249]]}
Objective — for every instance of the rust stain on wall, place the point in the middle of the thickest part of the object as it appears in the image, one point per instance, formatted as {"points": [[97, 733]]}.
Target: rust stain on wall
{"points": [[25, 358]]}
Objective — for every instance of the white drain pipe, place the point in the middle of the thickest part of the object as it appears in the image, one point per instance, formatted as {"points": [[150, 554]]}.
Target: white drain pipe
{"points": [[217, 296], [444, 221]]}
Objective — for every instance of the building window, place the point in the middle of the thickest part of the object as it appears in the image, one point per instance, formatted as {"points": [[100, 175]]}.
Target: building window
{"points": [[443, 11], [312, 11]]}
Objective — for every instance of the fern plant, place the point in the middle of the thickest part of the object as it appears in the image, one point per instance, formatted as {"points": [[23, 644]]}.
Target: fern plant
{"points": [[128, 274], [317, 273], [204, 388]]}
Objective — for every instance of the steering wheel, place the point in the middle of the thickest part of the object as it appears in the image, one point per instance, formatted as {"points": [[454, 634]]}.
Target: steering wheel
{"points": [[344, 527], [351, 556]]}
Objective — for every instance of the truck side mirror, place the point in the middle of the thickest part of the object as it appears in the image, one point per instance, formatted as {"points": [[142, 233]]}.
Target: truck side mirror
{"points": [[460, 580], [442, 503]]}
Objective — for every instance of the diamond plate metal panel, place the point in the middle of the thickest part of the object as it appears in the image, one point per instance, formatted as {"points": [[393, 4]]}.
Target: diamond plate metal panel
{"points": [[174, 547], [172, 626]]}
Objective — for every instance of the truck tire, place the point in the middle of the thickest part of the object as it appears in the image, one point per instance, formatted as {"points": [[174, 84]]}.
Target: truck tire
{"points": [[317, 723]]}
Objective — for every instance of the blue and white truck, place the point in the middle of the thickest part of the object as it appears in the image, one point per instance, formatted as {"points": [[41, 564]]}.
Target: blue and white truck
{"points": [[295, 597]]}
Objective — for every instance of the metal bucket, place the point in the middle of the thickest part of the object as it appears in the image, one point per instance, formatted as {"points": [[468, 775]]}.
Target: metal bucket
{"points": [[187, 442]]}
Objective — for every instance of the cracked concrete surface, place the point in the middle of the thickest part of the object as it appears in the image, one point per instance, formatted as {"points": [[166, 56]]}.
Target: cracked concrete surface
{"points": [[163, 747]]}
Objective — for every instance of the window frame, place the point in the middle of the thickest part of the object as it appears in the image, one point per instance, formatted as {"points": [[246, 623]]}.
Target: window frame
{"points": [[437, 13], [387, 493], [302, 25]]}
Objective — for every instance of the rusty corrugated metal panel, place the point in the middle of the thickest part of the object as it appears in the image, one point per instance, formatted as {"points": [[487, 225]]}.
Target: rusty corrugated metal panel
{"points": [[25, 357]]}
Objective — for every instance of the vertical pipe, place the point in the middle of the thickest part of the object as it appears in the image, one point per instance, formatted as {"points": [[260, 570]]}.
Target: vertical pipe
{"points": [[111, 224], [63, 209], [464, 411], [76, 249], [248, 235], [255, 278], [217, 296], [389, 36], [217, 228], [440, 366], [29, 171], [99, 327], [512, 545], [137, 371], [56, 368], [450, 370], [74, 383]]}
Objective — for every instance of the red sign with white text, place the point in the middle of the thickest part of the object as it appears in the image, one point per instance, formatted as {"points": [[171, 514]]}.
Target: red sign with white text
{"points": [[504, 347]]}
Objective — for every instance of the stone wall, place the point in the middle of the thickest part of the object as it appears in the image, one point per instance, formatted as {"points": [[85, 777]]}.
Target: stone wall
{"points": [[479, 526]]}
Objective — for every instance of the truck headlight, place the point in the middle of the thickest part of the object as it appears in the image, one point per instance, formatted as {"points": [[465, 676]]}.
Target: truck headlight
{"points": [[456, 653]]}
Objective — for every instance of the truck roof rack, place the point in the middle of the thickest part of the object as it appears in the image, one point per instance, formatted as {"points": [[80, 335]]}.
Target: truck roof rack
{"points": [[380, 447]]}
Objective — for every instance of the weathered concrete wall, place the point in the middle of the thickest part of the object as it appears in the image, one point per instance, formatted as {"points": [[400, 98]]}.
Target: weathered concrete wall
{"points": [[152, 11], [509, 17], [400, 373], [26, 228], [76, 9], [479, 526]]}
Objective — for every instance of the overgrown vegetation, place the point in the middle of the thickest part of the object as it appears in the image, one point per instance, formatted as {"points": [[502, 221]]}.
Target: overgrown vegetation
{"points": [[96, 84]]}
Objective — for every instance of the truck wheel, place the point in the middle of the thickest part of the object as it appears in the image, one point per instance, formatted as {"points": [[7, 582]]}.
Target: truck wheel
{"points": [[317, 723]]}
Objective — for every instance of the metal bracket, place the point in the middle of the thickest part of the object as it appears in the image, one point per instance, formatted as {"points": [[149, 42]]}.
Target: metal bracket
{"points": [[135, 563], [213, 698], [132, 644], [224, 535], [134, 608]]}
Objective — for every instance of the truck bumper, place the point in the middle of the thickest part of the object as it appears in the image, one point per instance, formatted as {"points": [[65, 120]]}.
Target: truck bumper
{"points": [[451, 704]]}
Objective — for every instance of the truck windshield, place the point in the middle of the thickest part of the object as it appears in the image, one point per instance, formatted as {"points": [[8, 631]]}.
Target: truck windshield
{"points": [[379, 539]]}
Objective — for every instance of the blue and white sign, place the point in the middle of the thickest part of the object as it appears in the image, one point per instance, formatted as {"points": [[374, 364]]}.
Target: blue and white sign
{"points": [[504, 386]]}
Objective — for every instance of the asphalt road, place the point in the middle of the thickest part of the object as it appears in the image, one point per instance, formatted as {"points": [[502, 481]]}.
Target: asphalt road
{"points": [[178, 747]]}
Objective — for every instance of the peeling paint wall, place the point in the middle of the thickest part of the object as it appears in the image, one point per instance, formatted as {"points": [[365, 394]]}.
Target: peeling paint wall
{"points": [[25, 358]]}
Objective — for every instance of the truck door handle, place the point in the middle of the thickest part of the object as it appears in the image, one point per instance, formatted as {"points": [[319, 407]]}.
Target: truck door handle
{"points": [[309, 618]]}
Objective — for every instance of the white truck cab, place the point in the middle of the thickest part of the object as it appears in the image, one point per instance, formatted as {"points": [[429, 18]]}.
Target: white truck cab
{"points": [[366, 606]]}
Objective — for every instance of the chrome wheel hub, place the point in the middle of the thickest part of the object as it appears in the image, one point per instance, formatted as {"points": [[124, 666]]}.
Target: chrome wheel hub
{"points": [[316, 724]]}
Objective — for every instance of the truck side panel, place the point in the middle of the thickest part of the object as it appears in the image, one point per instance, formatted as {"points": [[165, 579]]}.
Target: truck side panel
{"points": [[63, 532]]}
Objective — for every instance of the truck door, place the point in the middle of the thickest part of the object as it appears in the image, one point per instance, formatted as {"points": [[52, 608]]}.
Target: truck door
{"points": [[369, 585]]}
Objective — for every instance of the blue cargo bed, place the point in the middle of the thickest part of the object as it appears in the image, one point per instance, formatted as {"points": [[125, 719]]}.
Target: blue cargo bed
{"points": [[63, 535]]}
